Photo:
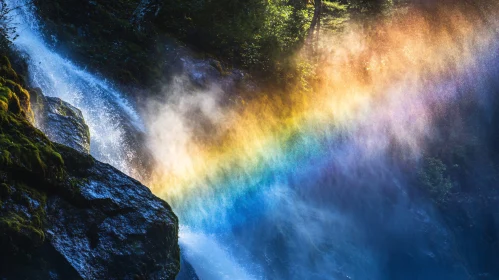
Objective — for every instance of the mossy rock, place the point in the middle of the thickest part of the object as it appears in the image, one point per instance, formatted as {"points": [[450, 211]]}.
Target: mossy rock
{"points": [[30, 168], [22, 220], [22, 146], [52, 208], [6, 70], [13, 96], [9, 102]]}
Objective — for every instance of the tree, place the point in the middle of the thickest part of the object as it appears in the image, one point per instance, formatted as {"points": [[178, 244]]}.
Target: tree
{"points": [[316, 19], [327, 16], [7, 27]]}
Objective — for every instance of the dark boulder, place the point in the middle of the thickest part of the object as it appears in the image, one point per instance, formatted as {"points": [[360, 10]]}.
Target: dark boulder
{"points": [[112, 227]]}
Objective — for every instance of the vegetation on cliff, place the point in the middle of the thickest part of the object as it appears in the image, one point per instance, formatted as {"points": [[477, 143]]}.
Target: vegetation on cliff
{"points": [[28, 164], [52, 208]]}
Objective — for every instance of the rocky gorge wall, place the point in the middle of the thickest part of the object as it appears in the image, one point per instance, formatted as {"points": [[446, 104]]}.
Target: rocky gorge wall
{"points": [[64, 215]]}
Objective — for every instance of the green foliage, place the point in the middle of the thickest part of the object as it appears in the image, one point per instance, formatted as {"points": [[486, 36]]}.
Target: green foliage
{"points": [[5, 190], [257, 35], [7, 28], [364, 8], [433, 177], [261, 36], [334, 15]]}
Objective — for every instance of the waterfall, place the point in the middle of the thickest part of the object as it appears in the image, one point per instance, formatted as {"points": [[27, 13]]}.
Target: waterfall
{"points": [[311, 199], [210, 260], [107, 113], [110, 116]]}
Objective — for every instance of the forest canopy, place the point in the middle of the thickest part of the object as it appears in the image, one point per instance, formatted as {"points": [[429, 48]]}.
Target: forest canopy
{"points": [[260, 35]]}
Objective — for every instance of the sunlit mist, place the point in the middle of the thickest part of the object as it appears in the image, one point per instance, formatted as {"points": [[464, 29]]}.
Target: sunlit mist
{"points": [[386, 81]]}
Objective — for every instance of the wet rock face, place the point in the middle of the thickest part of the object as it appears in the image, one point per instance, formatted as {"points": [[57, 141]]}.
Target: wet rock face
{"points": [[114, 229], [64, 124], [89, 222], [97, 223]]}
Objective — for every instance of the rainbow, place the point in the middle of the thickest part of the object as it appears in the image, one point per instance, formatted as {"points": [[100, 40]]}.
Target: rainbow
{"points": [[377, 86]]}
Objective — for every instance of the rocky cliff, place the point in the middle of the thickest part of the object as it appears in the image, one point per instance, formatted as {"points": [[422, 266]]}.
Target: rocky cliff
{"points": [[61, 122], [64, 215]]}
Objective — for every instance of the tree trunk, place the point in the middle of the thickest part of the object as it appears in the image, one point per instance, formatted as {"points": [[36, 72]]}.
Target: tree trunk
{"points": [[317, 16], [315, 24]]}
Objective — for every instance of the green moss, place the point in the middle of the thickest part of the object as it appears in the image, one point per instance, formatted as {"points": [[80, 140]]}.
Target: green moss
{"points": [[9, 100], [22, 225], [23, 147], [16, 148], [31, 168], [5, 158], [13, 97], [20, 228], [17, 89], [6, 70]]}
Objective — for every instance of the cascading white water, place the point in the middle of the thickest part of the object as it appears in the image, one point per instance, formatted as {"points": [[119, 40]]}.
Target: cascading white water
{"points": [[109, 115], [292, 225], [104, 108], [210, 260]]}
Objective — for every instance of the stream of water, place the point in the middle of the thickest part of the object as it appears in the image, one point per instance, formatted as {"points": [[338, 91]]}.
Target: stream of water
{"points": [[313, 199], [109, 115]]}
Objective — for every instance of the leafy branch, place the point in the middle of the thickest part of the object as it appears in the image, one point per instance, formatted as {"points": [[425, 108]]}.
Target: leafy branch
{"points": [[7, 26]]}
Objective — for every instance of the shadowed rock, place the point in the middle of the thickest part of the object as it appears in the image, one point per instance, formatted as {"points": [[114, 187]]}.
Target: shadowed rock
{"points": [[113, 227], [60, 121], [64, 124]]}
